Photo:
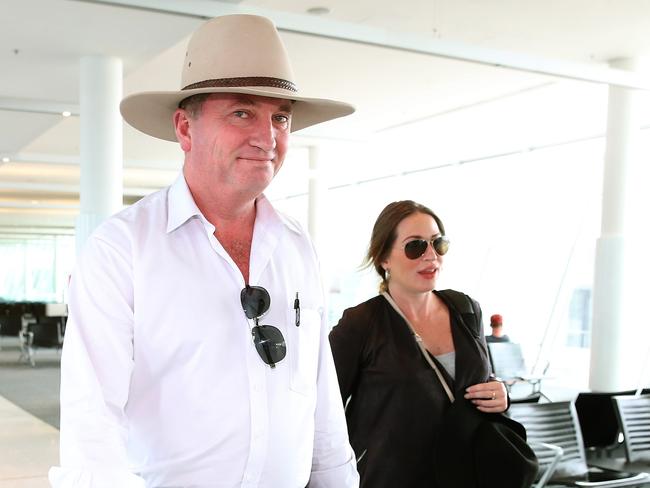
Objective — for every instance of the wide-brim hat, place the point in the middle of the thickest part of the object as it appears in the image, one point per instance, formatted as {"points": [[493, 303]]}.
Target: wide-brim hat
{"points": [[231, 54]]}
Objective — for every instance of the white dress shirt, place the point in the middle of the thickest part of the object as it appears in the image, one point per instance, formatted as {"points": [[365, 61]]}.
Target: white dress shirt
{"points": [[161, 384]]}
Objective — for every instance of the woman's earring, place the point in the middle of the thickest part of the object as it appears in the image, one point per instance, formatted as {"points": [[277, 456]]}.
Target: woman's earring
{"points": [[387, 275]]}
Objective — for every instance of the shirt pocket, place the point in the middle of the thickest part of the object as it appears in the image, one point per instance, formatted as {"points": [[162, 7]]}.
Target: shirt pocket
{"points": [[303, 350]]}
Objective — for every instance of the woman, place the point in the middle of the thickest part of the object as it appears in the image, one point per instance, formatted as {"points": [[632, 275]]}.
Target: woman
{"points": [[395, 401]]}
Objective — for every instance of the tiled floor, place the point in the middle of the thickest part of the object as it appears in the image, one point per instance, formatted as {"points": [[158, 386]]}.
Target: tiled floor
{"points": [[28, 447]]}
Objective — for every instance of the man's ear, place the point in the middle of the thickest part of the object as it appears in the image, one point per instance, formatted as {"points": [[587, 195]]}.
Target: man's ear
{"points": [[182, 128]]}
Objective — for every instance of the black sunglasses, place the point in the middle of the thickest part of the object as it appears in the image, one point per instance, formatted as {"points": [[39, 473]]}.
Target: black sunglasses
{"points": [[417, 247], [268, 340]]}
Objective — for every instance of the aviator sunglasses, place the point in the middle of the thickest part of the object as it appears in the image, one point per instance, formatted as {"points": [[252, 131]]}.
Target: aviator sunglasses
{"points": [[268, 340], [417, 247]]}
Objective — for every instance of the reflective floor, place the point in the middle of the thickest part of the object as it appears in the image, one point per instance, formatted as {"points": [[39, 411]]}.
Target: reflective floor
{"points": [[29, 415], [28, 447]]}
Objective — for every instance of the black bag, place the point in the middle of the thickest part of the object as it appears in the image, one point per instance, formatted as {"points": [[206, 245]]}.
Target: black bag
{"points": [[482, 450]]}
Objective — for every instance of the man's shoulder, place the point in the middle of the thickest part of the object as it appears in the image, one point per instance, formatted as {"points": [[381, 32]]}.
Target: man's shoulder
{"points": [[150, 207], [147, 213], [495, 339]]}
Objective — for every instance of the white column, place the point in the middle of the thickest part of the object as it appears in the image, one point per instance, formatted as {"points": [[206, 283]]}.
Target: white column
{"points": [[100, 143], [616, 356], [317, 197], [317, 213]]}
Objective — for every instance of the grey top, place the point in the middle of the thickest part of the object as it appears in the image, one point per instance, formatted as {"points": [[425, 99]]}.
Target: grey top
{"points": [[448, 361]]}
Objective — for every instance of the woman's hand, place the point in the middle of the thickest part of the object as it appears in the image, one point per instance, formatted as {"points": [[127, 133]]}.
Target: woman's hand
{"points": [[488, 397]]}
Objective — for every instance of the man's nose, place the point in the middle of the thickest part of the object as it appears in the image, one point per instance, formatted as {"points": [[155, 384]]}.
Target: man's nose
{"points": [[264, 134]]}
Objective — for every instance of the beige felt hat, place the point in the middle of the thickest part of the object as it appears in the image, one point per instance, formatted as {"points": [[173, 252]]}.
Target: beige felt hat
{"points": [[231, 54]]}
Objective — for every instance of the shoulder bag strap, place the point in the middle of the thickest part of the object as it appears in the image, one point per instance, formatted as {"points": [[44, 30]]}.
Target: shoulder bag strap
{"points": [[464, 307], [423, 350]]}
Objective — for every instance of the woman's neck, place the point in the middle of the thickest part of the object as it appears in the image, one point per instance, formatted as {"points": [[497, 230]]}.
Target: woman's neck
{"points": [[415, 306]]}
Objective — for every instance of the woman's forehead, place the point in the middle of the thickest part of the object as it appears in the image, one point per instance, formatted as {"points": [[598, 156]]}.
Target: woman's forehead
{"points": [[418, 224]]}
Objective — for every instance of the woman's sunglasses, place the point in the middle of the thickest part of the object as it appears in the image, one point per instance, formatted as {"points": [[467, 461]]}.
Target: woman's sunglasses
{"points": [[268, 340], [417, 247]]}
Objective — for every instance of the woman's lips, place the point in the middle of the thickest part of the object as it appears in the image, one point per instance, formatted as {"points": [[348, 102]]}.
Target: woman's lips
{"points": [[428, 273]]}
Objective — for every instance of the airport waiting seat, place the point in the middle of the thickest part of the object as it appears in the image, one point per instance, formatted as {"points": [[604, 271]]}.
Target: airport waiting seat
{"points": [[598, 420], [534, 397], [548, 456], [10, 315], [633, 414], [508, 364], [556, 424], [44, 332]]}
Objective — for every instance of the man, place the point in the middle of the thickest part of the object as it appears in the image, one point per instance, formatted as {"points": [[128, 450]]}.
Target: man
{"points": [[170, 377], [496, 323]]}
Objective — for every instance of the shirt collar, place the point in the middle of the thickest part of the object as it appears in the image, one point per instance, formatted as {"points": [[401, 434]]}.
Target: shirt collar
{"points": [[181, 207], [267, 213], [180, 204]]}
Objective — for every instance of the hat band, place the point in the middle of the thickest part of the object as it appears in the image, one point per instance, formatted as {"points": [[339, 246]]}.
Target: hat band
{"points": [[244, 81]]}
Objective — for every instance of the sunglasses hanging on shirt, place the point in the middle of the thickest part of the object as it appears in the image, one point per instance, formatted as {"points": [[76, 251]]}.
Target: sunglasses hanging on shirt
{"points": [[269, 341], [417, 247]]}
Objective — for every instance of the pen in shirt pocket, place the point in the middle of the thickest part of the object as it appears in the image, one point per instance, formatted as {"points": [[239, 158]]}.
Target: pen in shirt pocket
{"points": [[296, 307]]}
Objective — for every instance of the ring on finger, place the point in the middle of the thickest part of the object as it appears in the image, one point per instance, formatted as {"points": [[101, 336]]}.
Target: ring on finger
{"points": [[494, 395]]}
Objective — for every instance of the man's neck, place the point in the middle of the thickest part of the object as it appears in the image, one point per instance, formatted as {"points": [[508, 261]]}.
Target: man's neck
{"points": [[228, 213], [221, 205], [233, 216]]}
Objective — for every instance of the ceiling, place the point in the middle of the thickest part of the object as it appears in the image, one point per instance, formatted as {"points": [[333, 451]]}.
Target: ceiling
{"points": [[397, 62]]}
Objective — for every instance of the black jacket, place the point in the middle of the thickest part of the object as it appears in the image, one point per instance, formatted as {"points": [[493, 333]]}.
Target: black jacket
{"points": [[396, 402]]}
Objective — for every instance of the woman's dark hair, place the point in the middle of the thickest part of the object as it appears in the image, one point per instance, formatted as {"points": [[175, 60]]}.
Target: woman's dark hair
{"points": [[384, 233]]}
